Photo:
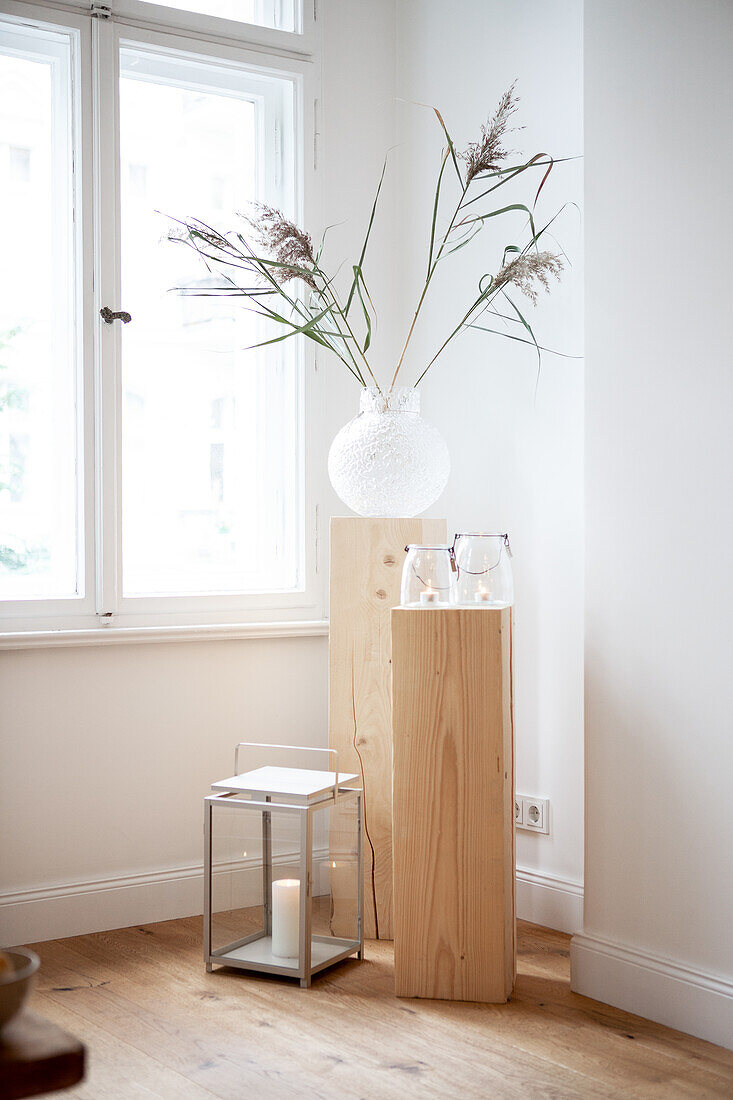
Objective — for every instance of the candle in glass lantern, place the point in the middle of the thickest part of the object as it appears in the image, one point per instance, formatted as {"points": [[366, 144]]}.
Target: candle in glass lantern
{"points": [[482, 596], [428, 596], [286, 918]]}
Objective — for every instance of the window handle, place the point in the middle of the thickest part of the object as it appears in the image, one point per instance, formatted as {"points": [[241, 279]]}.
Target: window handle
{"points": [[109, 316]]}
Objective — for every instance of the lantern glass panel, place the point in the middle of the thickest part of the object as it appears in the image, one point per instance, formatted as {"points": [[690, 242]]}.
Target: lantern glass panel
{"points": [[239, 839], [336, 872], [428, 577], [484, 571]]}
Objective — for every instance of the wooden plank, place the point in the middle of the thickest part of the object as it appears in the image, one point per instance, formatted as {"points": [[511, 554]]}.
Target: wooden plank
{"points": [[37, 1056], [454, 926], [367, 555], [157, 1025], [117, 1070]]}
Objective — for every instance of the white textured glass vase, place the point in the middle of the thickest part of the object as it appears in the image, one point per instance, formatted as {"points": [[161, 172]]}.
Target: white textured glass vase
{"points": [[387, 461]]}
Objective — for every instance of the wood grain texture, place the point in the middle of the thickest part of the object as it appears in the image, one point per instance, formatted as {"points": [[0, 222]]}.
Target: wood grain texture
{"points": [[37, 1056], [156, 1025], [453, 804], [367, 556]]}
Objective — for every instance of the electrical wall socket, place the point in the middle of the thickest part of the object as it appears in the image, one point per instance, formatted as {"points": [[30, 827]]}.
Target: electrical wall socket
{"points": [[532, 814]]}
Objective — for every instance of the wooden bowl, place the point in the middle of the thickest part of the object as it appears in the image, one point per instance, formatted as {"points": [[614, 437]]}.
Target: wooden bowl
{"points": [[15, 983]]}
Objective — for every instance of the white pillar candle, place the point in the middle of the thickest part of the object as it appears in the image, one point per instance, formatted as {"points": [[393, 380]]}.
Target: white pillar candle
{"points": [[482, 596], [286, 918], [428, 596]]}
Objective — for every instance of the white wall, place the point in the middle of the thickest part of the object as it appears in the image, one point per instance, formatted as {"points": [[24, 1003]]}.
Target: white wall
{"points": [[659, 486], [516, 459], [357, 122], [107, 752]]}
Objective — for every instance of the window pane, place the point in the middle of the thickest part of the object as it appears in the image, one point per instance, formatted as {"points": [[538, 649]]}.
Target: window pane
{"points": [[211, 431], [282, 15], [39, 500]]}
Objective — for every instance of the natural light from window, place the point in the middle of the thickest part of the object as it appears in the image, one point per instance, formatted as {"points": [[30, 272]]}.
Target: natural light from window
{"points": [[279, 14], [210, 430], [39, 454]]}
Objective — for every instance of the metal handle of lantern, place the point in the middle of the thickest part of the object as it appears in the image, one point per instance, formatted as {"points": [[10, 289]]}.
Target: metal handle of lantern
{"points": [[503, 535], [454, 568], [289, 748]]}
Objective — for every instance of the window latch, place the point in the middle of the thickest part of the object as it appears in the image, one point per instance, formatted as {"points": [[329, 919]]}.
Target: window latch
{"points": [[109, 316]]}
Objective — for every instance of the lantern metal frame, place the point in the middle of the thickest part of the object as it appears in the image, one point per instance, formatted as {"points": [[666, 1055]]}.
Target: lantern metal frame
{"points": [[232, 794]]}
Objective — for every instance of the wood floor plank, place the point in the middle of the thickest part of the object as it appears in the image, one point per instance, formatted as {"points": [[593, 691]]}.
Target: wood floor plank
{"points": [[546, 953], [149, 954], [170, 1029], [418, 1050], [157, 1025], [115, 1070]]}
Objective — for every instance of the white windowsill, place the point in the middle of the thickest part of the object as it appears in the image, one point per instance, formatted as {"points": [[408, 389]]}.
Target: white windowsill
{"points": [[121, 635]]}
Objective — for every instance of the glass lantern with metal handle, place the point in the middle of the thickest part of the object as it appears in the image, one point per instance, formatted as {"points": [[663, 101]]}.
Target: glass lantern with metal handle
{"points": [[283, 865], [484, 570], [428, 577]]}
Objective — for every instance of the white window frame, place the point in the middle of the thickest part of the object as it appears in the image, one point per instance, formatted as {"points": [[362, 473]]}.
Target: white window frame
{"points": [[97, 33], [301, 42]]}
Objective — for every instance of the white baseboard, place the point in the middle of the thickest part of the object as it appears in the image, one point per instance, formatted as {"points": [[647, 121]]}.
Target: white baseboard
{"points": [[122, 901], [549, 901], [654, 987], [80, 907], [76, 908]]}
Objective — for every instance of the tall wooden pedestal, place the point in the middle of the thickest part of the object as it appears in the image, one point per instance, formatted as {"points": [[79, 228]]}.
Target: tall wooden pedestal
{"points": [[367, 556], [453, 811]]}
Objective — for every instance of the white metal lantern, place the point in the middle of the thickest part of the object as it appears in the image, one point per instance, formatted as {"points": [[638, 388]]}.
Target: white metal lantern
{"points": [[283, 867]]}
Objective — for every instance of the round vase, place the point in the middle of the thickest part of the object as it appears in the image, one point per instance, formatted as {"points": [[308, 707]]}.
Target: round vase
{"points": [[388, 461]]}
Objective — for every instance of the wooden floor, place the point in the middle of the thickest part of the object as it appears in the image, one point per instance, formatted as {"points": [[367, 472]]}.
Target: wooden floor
{"points": [[156, 1024]]}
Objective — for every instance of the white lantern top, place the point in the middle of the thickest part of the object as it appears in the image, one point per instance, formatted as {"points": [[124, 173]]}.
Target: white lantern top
{"points": [[296, 784]]}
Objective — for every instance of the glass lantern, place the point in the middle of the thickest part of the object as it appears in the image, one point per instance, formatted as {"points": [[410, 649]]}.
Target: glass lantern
{"points": [[484, 570], [283, 866], [428, 577]]}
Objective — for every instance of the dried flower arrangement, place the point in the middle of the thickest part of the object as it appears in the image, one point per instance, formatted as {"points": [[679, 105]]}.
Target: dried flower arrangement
{"points": [[274, 252]]}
